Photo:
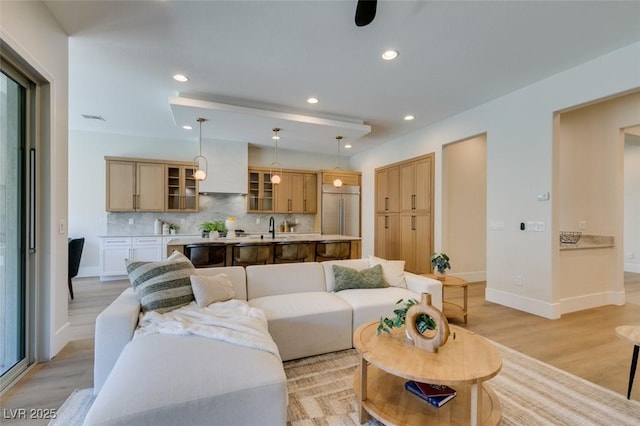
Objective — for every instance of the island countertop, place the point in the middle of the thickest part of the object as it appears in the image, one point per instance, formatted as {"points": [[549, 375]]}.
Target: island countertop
{"points": [[280, 237]]}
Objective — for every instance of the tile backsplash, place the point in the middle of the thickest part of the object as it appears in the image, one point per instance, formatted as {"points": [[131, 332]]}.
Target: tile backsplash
{"points": [[212, 207]]}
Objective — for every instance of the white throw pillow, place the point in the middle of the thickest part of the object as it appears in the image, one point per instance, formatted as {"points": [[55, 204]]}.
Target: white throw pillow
{"points": [[393, 270], [208, 290]]}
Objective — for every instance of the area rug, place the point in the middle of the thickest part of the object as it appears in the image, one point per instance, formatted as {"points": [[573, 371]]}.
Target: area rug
{"points": [[530, 392]]}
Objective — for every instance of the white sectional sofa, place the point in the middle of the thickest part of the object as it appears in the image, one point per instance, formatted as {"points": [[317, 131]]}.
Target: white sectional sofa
{"points": [[167, 379]]}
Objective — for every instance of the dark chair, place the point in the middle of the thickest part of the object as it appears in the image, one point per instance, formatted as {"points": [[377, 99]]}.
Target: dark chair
{"points": [[75, 253], [245, 254], [333, 250], [290, 252], [206, 255]]}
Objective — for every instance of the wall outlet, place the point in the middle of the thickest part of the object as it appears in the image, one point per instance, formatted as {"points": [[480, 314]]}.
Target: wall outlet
{"points": [[582, 225], [131, 221], [631, 255], [257, 221], [518, 282]]}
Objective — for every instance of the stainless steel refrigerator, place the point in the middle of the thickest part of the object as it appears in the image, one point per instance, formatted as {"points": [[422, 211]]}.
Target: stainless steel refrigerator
{"points": [[341, 210]]}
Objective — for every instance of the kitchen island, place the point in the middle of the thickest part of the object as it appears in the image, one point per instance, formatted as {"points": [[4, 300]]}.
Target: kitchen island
{"points": [[315, 243]]}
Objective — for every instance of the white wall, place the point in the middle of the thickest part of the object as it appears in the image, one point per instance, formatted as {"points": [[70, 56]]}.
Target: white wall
{"points": [[632, 203], [519, 129], [30, 30]]}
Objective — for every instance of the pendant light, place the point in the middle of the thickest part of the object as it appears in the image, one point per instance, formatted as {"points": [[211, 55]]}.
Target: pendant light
{"points": [[337, 182], [200, 174], [275, 176]]}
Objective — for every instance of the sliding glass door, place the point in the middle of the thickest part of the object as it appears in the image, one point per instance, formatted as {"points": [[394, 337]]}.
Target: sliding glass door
{"points": [[14, 350]]}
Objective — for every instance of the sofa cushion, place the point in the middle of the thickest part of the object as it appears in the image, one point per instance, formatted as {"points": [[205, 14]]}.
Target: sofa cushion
{"points": [[236, 274], [208, 290], [330, 279], [162, 286], [274, 279], [371, 304], [306, 324], [393, 270], [349, 278], [187, 380]]}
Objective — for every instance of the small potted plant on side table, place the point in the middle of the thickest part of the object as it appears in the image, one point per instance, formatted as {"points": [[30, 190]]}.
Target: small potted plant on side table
{"points": [[440, 263]]}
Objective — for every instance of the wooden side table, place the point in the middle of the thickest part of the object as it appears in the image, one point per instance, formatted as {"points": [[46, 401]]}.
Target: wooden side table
{"points": [[631, 333], [450, 309]]}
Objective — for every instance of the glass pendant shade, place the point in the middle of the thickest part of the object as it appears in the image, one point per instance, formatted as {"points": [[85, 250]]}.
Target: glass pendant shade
{"points": [[337, 182], [199, 173], [274, 175]]}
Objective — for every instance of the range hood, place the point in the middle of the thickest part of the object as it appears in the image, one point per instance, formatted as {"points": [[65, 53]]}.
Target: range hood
{"points": [[228, 163]]}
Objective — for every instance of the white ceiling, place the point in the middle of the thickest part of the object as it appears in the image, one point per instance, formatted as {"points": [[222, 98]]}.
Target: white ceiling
{"points": [[271, 56]]}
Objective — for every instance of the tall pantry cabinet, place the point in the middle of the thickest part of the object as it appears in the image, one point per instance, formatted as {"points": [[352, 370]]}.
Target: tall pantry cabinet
{"points": [[404, 212]]}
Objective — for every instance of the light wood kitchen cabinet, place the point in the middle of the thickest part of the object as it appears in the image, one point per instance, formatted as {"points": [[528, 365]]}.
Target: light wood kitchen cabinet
{"points": [[296, 193], [289, 193], [347, 177], [260, 196], [416, 242], [404, 225], [310, 200], [387, 189], [415, 185], [181, 188], [134, 186], [387, 225]]}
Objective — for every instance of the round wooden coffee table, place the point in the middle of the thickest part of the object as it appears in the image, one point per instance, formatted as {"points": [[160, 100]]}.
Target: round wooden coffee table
{"points": [[464, 363]]}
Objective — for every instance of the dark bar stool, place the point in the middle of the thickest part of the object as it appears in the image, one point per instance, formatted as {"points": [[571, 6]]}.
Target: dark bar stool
{"points": [[631, 333], [75, 253], [206, 255], [245, 254], [290, 252], [333, 250]]}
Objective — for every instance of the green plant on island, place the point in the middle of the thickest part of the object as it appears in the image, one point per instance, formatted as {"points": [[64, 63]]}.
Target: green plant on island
{"points": [[440, 262], [423, 322], [216, 225]]}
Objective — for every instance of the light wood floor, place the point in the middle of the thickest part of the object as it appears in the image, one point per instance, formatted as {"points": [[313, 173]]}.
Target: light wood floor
{"points": [[582, 343]]}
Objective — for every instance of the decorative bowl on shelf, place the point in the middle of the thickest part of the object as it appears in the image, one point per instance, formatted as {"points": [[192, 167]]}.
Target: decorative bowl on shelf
{"points": [[570, 237]]}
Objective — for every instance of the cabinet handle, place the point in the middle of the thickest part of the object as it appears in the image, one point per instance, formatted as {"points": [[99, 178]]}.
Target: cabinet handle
{"points": [[386, 222], [413, 201], [386, 203], [134, 201], [289, 204], [304, 205], [413, 223]]}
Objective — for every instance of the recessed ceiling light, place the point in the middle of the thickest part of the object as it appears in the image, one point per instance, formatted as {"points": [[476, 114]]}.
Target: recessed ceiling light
{"points": [[347, 146], [312, 100], [409, 117], [181, 78], [187, 127], [390, 55]]}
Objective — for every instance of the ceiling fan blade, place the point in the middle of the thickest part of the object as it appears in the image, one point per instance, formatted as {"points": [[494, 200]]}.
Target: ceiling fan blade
{"points": [[365, 12]]}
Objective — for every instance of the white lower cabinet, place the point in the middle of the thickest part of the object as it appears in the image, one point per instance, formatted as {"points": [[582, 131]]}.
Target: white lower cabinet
{"points": [[114, 251]]}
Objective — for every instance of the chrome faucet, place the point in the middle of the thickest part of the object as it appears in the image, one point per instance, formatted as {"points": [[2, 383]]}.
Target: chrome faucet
{"points": [[272, 227]]}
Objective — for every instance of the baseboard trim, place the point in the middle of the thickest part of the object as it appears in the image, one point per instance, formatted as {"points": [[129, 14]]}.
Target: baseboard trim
{"points": [[590, 301], [521, 303], [632, 267]]}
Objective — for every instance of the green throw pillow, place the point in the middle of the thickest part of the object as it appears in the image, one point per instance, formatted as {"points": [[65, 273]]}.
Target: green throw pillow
{"points": [[162, 286], [349, 278]]}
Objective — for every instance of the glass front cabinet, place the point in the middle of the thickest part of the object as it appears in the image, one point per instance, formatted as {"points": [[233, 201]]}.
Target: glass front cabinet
{"points": [[260, 197], [182, 189]]}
